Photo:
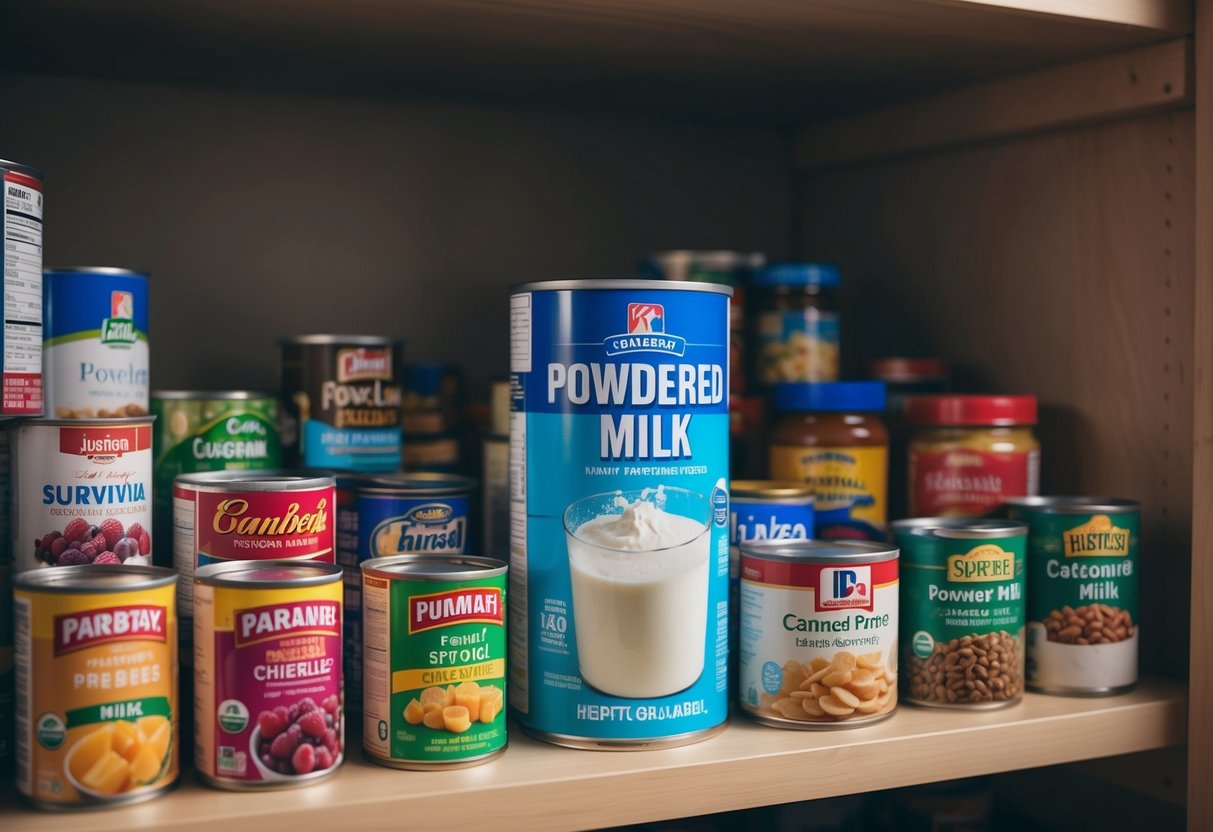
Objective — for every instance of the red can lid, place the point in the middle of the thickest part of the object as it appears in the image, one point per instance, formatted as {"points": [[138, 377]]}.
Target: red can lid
{"points": [[972, 410], [902, 369]]}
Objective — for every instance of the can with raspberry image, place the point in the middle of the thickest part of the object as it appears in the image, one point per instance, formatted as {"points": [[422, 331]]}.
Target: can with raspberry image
{"points": [[268, 700], [81, 492]]}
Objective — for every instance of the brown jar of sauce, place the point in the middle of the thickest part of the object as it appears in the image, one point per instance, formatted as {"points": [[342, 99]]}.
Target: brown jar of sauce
{"points": [[830, 435]]}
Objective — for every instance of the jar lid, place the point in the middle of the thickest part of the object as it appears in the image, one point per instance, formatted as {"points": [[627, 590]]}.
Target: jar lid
{"points": [[798, 274], [902, 369], [831, 396], [972, 410]]}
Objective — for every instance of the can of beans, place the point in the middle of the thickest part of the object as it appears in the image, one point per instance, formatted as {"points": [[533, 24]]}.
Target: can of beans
{"points": [[1082, 593], [81, 492], [267, 673], [250, 515], [21, 383], [434, 692], [818, 632], [386, 515], [341, 395], [962, 631], [95, 351], [96, 653], [197, 431]]}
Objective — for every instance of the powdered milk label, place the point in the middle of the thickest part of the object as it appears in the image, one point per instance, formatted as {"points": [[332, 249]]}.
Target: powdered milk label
{"points": [[619, 511]]}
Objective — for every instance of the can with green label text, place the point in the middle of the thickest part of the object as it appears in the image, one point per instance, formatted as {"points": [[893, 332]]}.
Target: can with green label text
{"points": [[433, 660], [1082, 593], [963, 607], [197, 431]]}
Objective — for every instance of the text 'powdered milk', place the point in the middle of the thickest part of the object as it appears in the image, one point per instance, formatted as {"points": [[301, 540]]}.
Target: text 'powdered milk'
{"points": [[619, 511]]}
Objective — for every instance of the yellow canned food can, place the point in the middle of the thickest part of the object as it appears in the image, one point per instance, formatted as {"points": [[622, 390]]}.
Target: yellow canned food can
{"points": [[96, 661]]}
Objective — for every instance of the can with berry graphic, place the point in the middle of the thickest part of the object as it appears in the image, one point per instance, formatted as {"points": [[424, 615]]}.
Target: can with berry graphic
{"points": [[267, 673], [81, 492], [433, 660], [225, 516]]}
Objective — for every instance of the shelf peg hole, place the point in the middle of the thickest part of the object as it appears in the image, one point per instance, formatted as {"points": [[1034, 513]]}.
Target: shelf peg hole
{"points": [[1166, 88]]}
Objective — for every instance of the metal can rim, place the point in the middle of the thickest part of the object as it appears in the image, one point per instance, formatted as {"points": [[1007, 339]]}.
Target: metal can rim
{"points": [[960, 527], [217, 395], [106, 271], [332, 339], [820, 551], [266, 479], [48, 422], [625, 283], [771, 489], [225, 574], [481, 567], [18, 167], [418, 484], [1075, 505], [62, 579]]}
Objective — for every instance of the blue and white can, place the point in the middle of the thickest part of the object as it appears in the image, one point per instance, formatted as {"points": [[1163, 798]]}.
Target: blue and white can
{"points": [[392, 514], [95, 343], [619, 549], [762, 510]]}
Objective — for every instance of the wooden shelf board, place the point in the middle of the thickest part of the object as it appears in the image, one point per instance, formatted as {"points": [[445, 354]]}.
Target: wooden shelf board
{"points": [[538, 786], [777, 60]]}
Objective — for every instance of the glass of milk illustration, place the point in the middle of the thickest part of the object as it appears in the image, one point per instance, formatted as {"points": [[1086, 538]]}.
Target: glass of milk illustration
{"points": [[639, 563]]}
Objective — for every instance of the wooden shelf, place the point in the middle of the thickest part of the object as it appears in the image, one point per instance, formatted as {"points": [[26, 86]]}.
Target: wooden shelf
{"points": [[781, 60], [538, 786]]}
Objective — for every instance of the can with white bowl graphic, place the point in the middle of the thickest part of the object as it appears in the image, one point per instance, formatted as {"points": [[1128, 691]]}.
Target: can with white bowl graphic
{"points": [[619, 508]]}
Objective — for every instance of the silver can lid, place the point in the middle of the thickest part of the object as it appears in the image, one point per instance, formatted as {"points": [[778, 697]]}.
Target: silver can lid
{"points": [[271, 479], [820, 551], [626, 283], [268, 574], [94, 578], [434, 567]]}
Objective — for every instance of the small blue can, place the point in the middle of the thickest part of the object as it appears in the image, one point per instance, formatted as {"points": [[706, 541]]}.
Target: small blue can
{"points": [[762, 510], [392, 514]]}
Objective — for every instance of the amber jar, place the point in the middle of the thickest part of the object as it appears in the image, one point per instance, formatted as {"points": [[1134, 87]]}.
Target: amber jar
{"points": [[796, 323], [831, 436], [969, 454]]}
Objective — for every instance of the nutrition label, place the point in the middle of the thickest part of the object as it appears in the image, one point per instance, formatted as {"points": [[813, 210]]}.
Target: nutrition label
{"points": [[22, 342]]}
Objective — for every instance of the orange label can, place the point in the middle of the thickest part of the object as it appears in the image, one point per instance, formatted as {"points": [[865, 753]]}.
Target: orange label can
{"points": [[96, 661]]}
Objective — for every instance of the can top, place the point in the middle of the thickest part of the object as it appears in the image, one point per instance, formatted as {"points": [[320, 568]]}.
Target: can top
{"points": [[218, 395], [770, 488], [434, 567], [1073, 505], [97, 270], [825, 275], [997, 411], [268, 574], [830, 397], [84, 423], [960, 527], [271, 479], [625, 283], [820, 551], [900, 369], [352, 340], [17, 167], [91, 577], [415, 483]]}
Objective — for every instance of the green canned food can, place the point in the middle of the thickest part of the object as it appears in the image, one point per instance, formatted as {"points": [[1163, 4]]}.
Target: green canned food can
{"points": [[434, 646], [197, 431], [1082, 593], [962, 613]]}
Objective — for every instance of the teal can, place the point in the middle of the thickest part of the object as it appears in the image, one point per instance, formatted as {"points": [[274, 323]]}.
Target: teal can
{"points": [[963, 607], [1083, 627]]}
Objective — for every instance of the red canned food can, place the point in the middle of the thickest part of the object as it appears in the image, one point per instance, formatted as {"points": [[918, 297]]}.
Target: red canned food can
{"points": [[268, 700], [224, 516]]}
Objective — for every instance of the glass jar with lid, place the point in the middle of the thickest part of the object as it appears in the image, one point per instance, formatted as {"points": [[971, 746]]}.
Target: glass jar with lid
{"points": [[797, 323], [831, 436], [969, 454]]}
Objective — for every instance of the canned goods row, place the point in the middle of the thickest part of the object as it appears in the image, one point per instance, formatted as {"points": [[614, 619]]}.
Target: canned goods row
{"points": [[97, 669]]}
